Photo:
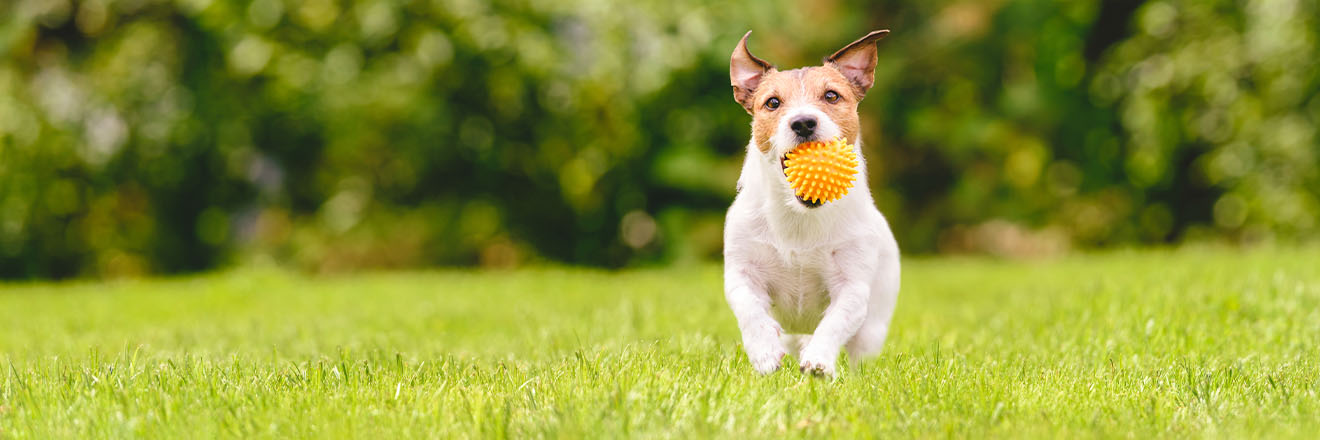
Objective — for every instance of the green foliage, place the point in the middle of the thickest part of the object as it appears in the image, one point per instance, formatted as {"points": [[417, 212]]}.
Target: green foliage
{"points": [[1225, 104], [1135, 345], [165, 136]]}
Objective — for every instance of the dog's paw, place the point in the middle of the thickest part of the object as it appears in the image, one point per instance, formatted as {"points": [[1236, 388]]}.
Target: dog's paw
{"points": [[817, 368], [768, 362], [766, 354]]}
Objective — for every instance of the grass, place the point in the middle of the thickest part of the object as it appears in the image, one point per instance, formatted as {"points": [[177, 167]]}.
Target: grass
{"points": [[1187, 343]]}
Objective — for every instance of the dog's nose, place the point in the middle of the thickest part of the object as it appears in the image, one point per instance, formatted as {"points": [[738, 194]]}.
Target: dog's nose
{"points": [[803, 126]]}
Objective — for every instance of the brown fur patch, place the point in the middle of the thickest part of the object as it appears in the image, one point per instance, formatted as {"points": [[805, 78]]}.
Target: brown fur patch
{"points": [[804, 86]]}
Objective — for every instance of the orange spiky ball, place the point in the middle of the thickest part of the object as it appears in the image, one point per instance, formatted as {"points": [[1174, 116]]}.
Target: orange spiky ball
{"points": [[821, 172]]}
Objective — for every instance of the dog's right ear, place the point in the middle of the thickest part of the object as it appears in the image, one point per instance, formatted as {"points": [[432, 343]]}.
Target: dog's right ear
{"points": [[746, 72]]}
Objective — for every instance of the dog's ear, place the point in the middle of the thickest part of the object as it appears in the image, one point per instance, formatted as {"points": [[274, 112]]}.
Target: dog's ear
{"points": [[856, 61], [746, 72]]}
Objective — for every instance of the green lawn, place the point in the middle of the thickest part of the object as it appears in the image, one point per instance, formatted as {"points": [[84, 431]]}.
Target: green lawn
{"points": [[1187, 343]]}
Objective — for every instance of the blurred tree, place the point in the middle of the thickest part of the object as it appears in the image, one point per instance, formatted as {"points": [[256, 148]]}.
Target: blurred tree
{"points": [[1220, 108], [142, 136]]}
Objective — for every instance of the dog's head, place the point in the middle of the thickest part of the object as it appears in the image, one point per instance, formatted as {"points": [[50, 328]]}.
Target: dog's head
{"points": [[806, 104]]}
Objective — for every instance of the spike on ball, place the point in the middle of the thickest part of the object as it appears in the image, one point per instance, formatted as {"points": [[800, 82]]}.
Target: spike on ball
{"points": [[821, 172]]}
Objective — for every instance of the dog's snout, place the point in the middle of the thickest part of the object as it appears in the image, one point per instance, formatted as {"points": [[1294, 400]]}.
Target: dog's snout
{"points": [[804, 126]]}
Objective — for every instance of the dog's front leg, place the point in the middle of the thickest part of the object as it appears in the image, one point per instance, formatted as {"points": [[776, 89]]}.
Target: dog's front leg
{"points": [[760, 332], [842, 319]]}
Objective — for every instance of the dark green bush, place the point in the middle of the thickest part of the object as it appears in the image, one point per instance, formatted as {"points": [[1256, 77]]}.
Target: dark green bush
{"points": [[166, 136]]}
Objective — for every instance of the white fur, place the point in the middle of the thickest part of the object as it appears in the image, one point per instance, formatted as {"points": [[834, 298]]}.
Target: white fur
{"points": [[809, 279]]}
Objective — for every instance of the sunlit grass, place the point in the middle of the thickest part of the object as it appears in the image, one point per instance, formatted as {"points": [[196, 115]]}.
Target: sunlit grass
{"points": [[1219, 343]]}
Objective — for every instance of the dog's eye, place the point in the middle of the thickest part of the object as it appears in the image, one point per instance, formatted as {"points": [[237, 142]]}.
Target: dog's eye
{"points": [[831, 97], [772, 103]]}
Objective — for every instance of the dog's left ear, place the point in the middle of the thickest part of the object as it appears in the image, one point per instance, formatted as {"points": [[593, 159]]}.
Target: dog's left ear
{"points": [[746, 72], [856, 61]]}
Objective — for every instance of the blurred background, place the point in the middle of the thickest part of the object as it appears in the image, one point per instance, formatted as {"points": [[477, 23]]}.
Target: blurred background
{"points": [[166, 136]]}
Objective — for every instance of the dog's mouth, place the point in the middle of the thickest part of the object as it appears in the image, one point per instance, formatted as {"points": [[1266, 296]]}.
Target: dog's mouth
{"points": [[783, 168]]}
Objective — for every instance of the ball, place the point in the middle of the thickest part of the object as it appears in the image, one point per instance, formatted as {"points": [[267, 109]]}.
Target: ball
{"points": [[821, 172]]}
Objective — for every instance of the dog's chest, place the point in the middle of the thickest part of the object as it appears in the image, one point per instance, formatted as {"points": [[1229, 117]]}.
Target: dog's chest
{"points": [[798, 289]]}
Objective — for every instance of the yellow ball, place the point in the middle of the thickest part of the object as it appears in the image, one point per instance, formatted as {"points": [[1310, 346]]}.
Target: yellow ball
{"points": [[821, 172]]}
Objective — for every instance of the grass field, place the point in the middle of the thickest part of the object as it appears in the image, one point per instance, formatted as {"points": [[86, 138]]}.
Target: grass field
{"points": [[1187, 343]]}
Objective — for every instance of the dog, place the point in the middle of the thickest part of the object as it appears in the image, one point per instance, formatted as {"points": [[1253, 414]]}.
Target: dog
{"points": [[801, 275]]}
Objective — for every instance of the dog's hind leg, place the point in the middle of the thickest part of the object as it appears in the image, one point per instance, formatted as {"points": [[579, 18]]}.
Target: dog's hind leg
{"points": [[870, 338], [795, 342]]}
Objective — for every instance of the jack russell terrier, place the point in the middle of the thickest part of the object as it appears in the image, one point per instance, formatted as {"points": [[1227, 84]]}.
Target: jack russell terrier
{"points": [[799, 274]]}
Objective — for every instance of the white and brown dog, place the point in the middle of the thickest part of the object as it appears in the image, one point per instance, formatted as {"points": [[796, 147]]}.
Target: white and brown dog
{"points": [[800, 275]]}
